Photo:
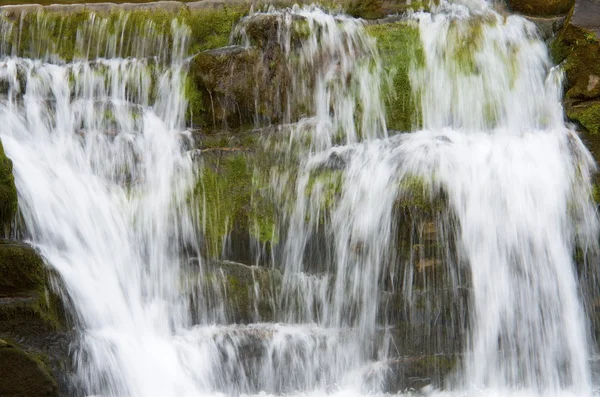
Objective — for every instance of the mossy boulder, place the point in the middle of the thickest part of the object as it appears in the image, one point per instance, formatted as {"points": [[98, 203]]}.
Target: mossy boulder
{"points": [[541, 7], [28, 306], [21, 268], [238, 87], [8, 191], [33, 314], [24, 374]]}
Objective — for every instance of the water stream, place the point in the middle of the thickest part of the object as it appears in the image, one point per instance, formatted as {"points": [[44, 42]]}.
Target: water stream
{"points": [[104, 175]]}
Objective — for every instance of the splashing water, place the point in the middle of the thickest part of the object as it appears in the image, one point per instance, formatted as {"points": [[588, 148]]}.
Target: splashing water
{"points": [[98, 146]]}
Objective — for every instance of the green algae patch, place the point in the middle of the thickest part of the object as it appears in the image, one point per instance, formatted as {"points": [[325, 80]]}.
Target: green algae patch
{"points": [[400, 48], [8, 191]]}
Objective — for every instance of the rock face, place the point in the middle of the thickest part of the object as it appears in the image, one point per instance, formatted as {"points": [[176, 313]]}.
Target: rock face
{"points": [[577, 46], [541, 7], [23, 374], [33, 315], [586, 15], [8, 191]]}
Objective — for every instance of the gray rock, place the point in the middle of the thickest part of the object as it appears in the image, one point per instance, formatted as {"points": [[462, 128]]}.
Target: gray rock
{"points": [[587, 15]]}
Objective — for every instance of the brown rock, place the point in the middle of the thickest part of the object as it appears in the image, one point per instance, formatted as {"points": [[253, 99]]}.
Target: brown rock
{"points": [[541, 7]]}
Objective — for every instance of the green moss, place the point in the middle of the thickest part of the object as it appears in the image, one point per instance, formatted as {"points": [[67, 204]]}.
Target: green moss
{"points": [[588, 116], [223, 195], [326, 185], [466, 39], [415, 195], [8, 191], [21, 268], [196, 109], [400, 49], [596, 193], [210, 28], [580, 57]]}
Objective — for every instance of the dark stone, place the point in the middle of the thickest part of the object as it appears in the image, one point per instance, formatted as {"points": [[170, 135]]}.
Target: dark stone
{"points": [[32, 314], [24, 374]]}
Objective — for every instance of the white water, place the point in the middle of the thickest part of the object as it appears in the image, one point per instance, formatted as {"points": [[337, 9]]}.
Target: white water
{"points": [[103, 182]]}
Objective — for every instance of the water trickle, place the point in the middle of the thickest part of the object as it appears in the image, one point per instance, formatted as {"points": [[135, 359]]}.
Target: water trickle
{"points": [[462, 234]]}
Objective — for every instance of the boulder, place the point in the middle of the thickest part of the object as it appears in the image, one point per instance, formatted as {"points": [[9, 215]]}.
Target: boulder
{"points": [[586, 15], [24, 374], [32, 314]]}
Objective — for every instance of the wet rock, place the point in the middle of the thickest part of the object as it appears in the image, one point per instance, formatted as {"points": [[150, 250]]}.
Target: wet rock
{"points": [[577, 48], [548, 27], [24, 374], [414, 373], [8, 192], [247, 293], [31, 313], [541, 7], [238, 86]]}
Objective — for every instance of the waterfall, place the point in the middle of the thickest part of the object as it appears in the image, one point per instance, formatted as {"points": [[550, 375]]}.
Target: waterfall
{"points": [[105, 176]]}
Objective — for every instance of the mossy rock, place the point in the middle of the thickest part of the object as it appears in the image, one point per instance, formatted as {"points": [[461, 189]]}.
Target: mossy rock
{"points": [[236, 86], [579, 51], [588, 115], [27, 303], [249, 291], [8, 191], [541, 7], [376, 9], [400, 48], [233, 205], [24, 374], [21, 268]]}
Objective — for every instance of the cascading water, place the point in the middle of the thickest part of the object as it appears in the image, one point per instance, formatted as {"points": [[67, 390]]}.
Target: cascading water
{"points": [[104, 180]]}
